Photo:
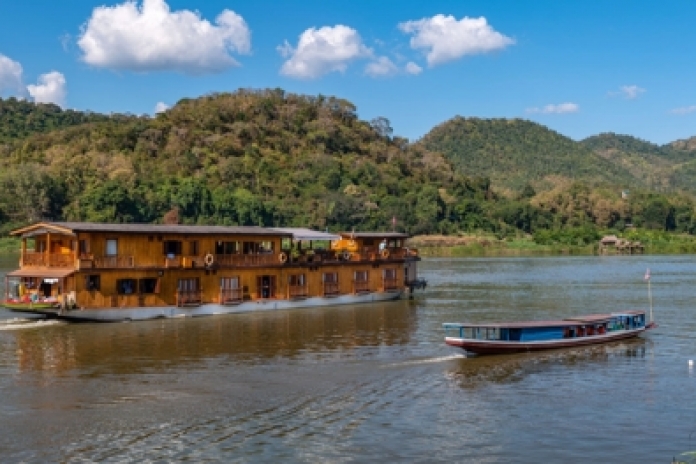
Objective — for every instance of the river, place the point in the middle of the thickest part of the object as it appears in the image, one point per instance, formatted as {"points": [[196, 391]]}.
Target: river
{"points": [[366, 383]]}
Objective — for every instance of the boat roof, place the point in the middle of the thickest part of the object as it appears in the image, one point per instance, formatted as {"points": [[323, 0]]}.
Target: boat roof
{"points": [[299, 233], [42, 273], [573, 321], [373, 235], [71, 228]]}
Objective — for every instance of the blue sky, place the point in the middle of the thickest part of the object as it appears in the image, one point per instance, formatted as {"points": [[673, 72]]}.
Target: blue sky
{"points": [[580, 68]]}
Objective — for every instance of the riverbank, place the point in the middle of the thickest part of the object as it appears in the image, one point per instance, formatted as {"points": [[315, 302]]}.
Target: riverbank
{"points": [[459, 246], [481, 245]]}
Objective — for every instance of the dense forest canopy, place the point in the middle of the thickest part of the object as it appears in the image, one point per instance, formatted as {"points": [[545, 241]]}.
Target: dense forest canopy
{"points": [[272, 158]]}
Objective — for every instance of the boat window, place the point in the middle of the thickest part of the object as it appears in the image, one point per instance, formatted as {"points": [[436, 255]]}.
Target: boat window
{"points": [[84, 246], [265, 286], [361, 276], [389, 273], [125, 286], [193, 248], [330, 277], [149, 285], [111, 247], [171, 247], [93, 282], [226, 248], [229, 283], [249, 248], [296, 280], [188, 285]]}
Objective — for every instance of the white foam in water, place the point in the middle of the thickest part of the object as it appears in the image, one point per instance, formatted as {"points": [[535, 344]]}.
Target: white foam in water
{"points": [[20, 324], [430, 360]]}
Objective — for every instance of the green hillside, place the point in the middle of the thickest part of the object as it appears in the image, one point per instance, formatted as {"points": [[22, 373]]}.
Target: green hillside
{"points": [[666, 168], [272, 158], [251, 157], [20, 118], [515, 152]]}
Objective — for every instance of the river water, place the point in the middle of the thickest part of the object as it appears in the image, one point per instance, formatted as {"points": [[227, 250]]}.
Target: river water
{"points": [[366, 383]]}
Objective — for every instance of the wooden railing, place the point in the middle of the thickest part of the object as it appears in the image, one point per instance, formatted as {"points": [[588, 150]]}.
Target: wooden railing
{"points": [[95, 299], [189, 297], [331, 288], [42, 259], [113, 262], [390, 284], [297, 291], [247, 260], [361, 286], [230, 296], [172, 261]]}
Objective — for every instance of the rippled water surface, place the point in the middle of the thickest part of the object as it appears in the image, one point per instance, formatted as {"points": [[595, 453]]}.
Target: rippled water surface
{"points": [[365, 383]]}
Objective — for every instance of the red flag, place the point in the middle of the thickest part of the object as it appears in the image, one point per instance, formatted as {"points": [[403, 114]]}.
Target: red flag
{"points": [[647, 274]]}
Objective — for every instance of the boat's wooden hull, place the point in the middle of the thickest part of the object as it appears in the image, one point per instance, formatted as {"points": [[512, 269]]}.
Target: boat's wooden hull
{"points": [[502, 347], [31, 307], [145, 313]]}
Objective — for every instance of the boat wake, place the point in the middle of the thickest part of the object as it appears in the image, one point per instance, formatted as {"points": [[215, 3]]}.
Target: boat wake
{"points": [[21, 324], [428, 360]]}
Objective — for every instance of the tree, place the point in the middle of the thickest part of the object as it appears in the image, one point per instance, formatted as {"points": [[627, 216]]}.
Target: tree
{"points": [[382, 126]]}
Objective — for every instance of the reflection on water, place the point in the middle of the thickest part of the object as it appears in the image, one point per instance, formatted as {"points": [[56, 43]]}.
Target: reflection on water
{"points": [[246, 338], [476, 371], [368, 382]]}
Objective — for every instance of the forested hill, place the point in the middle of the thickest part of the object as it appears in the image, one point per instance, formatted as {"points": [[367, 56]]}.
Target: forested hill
{"points": [[251, 157], [272, 158], [665, 168], [516, 152], [20, 118]]}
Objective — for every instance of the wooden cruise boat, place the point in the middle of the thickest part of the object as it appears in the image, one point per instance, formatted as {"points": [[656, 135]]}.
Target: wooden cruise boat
{"points": [[115, 272], [516, 337]]}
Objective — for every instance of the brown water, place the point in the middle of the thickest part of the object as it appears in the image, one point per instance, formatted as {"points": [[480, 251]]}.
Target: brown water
{"points": [[365, 383]]}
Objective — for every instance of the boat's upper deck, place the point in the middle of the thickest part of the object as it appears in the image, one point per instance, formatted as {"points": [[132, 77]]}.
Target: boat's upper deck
{"points": [[568, 322]]}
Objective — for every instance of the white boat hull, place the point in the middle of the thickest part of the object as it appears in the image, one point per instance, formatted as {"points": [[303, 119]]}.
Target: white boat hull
{"points": [[208, 309]]}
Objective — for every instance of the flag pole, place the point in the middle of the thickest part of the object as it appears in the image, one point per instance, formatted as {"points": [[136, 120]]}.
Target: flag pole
{"points": [[647, 277], [651, 304]]}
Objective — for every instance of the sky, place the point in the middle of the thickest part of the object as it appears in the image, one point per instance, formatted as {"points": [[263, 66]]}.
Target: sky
{"points": [[577, 67]]}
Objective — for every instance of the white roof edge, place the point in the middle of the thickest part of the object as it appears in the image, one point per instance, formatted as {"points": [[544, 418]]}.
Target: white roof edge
{"points": [[299, 233]]}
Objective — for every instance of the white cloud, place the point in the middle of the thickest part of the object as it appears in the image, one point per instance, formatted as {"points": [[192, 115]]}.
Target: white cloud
{"points": [[381, 67], [561, 108], [684, 110], [161, 107], [446, 39], [10, 76], [321, 51], [151, 37], [50, 89], [629, 92], [413, 68]]}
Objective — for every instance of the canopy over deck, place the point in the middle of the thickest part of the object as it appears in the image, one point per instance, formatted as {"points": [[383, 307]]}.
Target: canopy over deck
{"points": [[299, 233], [394, 235], [42, 273]]}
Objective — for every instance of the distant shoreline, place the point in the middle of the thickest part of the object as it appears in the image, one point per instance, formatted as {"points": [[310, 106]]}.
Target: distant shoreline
{"points": [[463, 246]]}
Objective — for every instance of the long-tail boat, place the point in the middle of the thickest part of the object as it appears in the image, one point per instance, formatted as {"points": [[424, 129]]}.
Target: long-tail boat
{"points": [[116, 272], [516, 337]]}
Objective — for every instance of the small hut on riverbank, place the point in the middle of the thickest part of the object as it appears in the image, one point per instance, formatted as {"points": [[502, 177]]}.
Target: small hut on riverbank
{"points": [[611, 244]]}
